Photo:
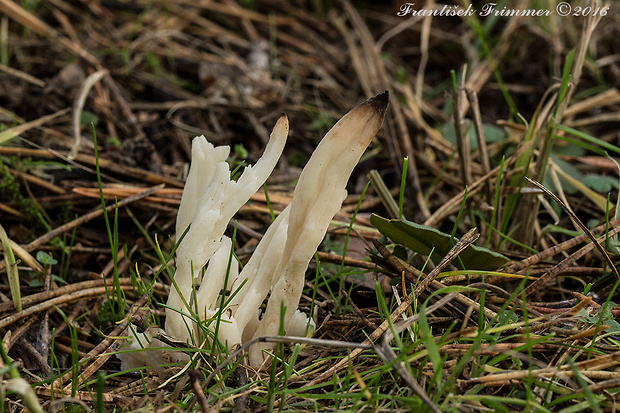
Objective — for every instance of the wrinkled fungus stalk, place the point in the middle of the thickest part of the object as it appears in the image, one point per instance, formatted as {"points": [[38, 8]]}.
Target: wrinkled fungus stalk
{"points": [[278, 265]]}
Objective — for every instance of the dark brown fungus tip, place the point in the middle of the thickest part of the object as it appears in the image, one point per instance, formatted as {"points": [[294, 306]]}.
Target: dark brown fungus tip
{"points": [[381, 100]]}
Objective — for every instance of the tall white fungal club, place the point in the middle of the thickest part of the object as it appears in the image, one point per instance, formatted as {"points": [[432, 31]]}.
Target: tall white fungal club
{"points": [[278, 265]]}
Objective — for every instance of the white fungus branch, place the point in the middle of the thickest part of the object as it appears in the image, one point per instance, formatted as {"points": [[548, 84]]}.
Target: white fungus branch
{"points": [[278, 265], [219, 201], [317, 198]]}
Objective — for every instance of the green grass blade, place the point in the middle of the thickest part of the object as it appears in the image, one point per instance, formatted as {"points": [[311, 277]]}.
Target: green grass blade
{"points": [[588, 138], [11, 270], [403, 180]]}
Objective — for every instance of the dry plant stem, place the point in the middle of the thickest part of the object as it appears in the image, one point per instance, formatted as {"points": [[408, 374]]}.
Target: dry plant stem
{"points": [[462, 138], [78, 106], [62, 348], [36, 357], [105, 164], [480, 73], [39, 242], [110, 398], [566, 370], [468, 239], [411, 273], [238, 11], [19, 129], [486, 349], [548, 276], [102, 351], [66, 25], [45, 335], [104, 105], [535, 326], [589, 24], [148, 383], [424, 40], [466, 301], [591, 104], [359, 312], [351, 262], [389, 355], [377, 76], [528, 212], [584, 301], [607, 384], [501, 292], [23, 76], [12, 336], [358, 348], [384, 193], [454, 203], [414, 275], [120, 193], [194, 376], [37, 25], [558, 248], [583, 334], [576, 220], [554, 174], [482, 144], [12, 211], [374, 336], [38, 181], [77, 295], [66, 290]]}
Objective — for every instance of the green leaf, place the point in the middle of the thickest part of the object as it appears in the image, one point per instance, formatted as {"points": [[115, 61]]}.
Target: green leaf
{"points": [[44, 258], [426, 240], [566, 72], [35, 283], [401, 75], [560, 230], [400, 252], [87, 117], [241, 152], [570, 170], [492, 133], [600, 183]]}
